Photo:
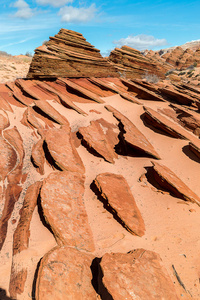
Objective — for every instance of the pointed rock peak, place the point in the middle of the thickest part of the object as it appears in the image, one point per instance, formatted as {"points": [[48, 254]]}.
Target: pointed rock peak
{"points": [[68, 54]]}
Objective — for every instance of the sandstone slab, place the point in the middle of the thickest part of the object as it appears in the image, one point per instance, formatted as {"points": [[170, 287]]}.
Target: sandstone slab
{"points": [[64, 274], [162, 123], [64, 210], [115, 191], [170, 181], [38, 156], [21, 239], [132, 135], [62, 150], [138, 274], [102, 137]]}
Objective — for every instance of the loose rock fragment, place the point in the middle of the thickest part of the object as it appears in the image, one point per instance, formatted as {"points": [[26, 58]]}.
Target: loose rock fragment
{"points": [[132, 135], [101, 137], [138, 274], [115, 191], [64, 274], [64, 210], [170, 181]]}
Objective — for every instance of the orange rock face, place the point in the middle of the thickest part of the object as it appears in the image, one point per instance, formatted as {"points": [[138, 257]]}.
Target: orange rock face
{"points": [[170, 181], [68, 54], [62, 150], [65, 273], [116, 192], [138, 274], [101, 137], [132, 64], [132, 135], [64, 190]]}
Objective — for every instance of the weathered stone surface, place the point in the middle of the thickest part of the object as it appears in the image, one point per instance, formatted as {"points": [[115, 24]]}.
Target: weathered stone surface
{"points": [[64, 99], [14, 138], [21, 239], [102, 137], [176, 95], [51, 112], [170, 181], [131, 63], [68, 54], [132, 135], [115, 191], [8, 158], [82, 90], [62, 149], [138, 274], [64, 210], [12, 194], [5, 105], [162, 123], [65, 273], [38, 156], [4, 121], [141, 91]]}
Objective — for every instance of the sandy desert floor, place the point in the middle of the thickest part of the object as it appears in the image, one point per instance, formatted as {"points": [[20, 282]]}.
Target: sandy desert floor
{"points": [[13, 67]]}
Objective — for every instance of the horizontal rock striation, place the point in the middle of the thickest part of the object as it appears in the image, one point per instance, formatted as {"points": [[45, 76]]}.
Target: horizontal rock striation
{"points": [[68, 54], [132, 64]]}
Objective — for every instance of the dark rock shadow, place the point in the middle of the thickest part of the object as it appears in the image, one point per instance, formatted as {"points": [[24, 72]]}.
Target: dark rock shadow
{"points": [[186, 150], [41, 214], [3, 295], [107, 206], [40, 112], [151, 179], [125, 149], [148, 124], [97, 281], [35, 280], [89, 149], [49, 158]]}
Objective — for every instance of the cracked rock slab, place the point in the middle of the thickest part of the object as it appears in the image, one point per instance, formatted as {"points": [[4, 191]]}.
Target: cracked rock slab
{"points": [[64, 209], [138, 274], [102, 137], [64, 274], [115, 191], [170, 181]]}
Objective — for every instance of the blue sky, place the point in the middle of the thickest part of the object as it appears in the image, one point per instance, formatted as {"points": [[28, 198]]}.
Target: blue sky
{"points": [[26, 24]]}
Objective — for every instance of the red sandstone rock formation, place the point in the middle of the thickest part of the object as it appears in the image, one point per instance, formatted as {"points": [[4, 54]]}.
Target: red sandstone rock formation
{"points": [[116, 192], [132, 64], [68, 54], [51, 244], [138, 274]]}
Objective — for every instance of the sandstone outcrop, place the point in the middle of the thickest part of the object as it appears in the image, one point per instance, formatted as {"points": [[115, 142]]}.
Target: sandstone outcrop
{"points": [[116, 193], [157, 120], [101, 137], [64, 273], [72, 152], [138, 274], [64, 190], [132, 64], [170, 181], [133, 137], [68, 54]]}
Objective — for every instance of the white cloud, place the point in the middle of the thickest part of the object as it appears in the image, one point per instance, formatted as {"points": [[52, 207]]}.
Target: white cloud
{"points": [[70, 14], [141, 42], [16, 43], [24, 10], [56, 3]]}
